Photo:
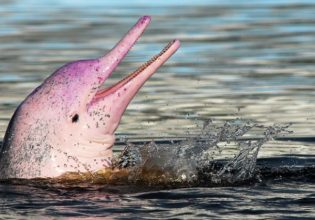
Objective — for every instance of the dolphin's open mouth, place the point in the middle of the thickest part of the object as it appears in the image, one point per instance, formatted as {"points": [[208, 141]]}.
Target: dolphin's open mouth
{"points": [[114, 57], [115, 99], [166, 52]]}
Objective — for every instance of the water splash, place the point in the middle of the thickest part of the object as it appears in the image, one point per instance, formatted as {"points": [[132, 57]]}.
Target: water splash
{"points": [[222, 153], [200, 159]]}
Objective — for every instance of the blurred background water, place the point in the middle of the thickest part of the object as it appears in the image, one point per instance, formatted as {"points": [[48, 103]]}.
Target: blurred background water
{"points": [[248, 59]]}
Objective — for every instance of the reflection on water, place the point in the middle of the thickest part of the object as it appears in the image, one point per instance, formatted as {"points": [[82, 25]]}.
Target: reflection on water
{"points": [[248, 60]]}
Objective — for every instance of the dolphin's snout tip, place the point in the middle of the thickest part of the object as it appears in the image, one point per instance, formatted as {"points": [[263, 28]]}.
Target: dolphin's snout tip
{"points": [[145, 18], [176, 42]]}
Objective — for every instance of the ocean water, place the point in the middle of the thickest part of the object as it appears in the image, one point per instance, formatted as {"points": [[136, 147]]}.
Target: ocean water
{"points": [[240, 88]]}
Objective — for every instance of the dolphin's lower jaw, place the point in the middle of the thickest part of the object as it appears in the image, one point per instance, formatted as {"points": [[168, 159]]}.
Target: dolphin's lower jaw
{"points": [[67, 124]]}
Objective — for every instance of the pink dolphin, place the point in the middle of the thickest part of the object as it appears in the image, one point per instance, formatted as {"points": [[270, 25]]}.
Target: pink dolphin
{"points": [[67, 124]]}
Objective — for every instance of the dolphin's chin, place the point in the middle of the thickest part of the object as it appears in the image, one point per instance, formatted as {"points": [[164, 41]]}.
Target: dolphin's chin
{"points": [[106, 140]]}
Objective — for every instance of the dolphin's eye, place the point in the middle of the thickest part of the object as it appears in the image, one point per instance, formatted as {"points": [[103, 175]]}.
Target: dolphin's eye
{"points": [[75, 118]]}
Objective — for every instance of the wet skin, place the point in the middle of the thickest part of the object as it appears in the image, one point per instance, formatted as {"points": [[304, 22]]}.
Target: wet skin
{"points": [[67, 124]]}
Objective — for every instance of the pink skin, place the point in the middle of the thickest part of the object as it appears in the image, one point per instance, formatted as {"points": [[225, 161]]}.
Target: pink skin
{"points": [[67, 124]]}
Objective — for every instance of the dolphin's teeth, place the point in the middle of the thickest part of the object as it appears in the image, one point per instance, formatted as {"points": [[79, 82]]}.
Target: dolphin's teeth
{"points": [[132, 75], [149, 62]]}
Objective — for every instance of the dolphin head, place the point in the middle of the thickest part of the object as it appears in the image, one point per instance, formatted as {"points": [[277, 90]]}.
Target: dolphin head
{"points": [[67, 124]]}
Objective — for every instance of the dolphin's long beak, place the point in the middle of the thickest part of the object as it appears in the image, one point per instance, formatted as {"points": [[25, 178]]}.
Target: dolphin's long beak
{"points": [[119, 95]]}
